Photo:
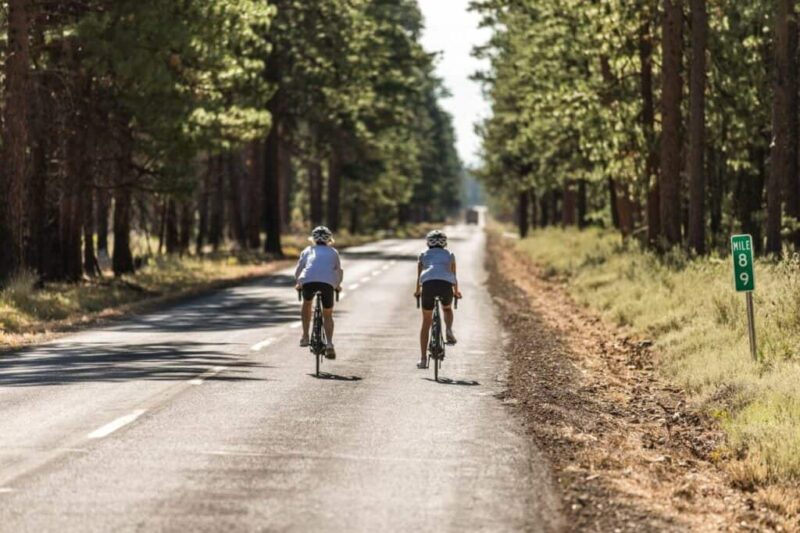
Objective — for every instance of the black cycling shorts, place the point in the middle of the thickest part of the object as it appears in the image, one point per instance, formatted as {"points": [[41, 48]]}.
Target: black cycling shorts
{"points": [[310, 289], [432, 289]]}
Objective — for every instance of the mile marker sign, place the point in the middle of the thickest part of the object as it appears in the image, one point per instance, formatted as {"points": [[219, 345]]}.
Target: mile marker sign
{"points": [[744, 280], [743, 275]]}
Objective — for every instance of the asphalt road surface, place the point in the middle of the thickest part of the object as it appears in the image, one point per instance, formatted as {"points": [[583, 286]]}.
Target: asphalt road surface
{"points": [[206, 417]]}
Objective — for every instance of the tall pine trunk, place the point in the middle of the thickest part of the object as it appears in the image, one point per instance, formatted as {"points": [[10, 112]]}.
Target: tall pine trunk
{"points": [[14, 172], [523, 213], [334, 188], [783, 155], [653, 199], [697, 128], [315, 192], [671, 142], [255, 200], [272, 191], [217, 200], [123, 206]]}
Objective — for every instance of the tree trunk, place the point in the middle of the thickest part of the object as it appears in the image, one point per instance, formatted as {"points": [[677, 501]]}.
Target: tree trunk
{"points": [[171, 228], [217, 199], [523, 208], [534, 207], [783, 155], [123, 205], [697, 128], [582, 204], [315, 192], [544, 210], [625, 210], [612, 193], [103, 208], [792, 177], [648, 126], [272, 192], [671, 143], [255, 197], [186, 226], [89, 258], [570, 205], [334, 188], [14, 173], [203, 201]]}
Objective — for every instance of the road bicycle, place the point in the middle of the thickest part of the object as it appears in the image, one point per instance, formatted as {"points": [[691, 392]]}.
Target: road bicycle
{"points": [[318, 342], [436, 339]]}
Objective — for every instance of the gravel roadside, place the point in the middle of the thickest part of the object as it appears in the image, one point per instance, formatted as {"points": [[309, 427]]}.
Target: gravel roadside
{"points": [[628, 452]]}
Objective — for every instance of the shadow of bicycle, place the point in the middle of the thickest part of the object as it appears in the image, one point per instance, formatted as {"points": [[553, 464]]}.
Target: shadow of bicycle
{"points": [[459, 382], [335, 377]]}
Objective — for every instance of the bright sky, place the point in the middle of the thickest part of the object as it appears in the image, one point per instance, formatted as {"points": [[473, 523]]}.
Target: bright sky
{"points": [[451, 29]]}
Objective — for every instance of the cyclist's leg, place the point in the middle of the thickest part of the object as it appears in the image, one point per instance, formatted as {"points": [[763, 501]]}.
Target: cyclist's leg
{"points": [[425, 333], [306, 310], [447, 309], [327, 316]]}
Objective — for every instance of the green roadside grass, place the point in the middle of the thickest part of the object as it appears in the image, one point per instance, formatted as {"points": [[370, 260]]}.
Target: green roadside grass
{"points": [[689, 309]]}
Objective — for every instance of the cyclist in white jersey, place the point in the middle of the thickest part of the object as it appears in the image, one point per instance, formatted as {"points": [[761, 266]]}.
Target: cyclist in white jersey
{"points": [[436, 277], [319, 269]]}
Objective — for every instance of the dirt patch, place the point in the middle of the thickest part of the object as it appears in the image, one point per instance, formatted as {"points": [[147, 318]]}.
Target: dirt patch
{"points": [[629, 453]]}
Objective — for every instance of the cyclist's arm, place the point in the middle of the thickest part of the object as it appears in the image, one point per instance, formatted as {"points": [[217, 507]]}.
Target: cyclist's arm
{"points": [[419, 274], [453, 270], [339, 271], [301, 264]]}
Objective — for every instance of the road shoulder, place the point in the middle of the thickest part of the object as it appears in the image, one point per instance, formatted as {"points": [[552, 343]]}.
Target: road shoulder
{"points": [[628, 451]]}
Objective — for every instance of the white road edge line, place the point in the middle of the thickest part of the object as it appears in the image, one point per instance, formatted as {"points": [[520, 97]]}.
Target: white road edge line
{"points": [[120, 422], [263, 344]]}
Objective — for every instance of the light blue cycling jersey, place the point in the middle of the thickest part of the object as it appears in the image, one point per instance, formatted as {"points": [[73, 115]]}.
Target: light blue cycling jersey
{"points": [[319, 264], [437, 265]]}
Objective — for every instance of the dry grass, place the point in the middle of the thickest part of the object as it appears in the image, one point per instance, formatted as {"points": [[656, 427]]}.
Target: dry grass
{"points": [[689, 310]]}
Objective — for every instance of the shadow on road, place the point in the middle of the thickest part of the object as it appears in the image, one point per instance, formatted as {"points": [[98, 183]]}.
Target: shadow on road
{"points": [[335, 377], [233, 309], [64, 363], [448, 381]]}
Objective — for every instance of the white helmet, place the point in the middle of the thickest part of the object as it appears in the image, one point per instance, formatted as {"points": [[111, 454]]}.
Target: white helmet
{"points": [[437, 239], [321, 234]]}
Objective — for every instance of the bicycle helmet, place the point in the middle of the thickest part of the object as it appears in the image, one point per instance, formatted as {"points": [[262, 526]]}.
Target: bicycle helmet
{"points": [[321, 235], [437, 239]]}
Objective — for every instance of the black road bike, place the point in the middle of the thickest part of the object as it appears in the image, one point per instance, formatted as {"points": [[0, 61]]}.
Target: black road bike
{"points": [[436, 339], [318, 342]]}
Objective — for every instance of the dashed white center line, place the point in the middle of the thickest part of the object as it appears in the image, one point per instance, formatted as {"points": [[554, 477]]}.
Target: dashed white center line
{"points": [[365, 279], [120, 422], [376, 273], [385, 268], [295, 325], [6, 490], [207, 374], [353, 287], [263, 344]]}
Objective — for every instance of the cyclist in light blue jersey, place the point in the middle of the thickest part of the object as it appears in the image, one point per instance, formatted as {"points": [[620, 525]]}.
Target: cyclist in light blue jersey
{"points": [[436, 277], [319, 269]]}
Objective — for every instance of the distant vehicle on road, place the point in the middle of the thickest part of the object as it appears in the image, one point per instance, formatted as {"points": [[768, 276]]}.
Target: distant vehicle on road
{"points": [[473, 216]]}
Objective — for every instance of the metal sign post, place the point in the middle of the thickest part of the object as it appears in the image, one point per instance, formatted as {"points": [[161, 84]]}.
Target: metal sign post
{"points": [[745, 281]]}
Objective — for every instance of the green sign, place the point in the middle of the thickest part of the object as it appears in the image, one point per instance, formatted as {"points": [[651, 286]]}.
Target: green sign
{"points": [[743, 275]]}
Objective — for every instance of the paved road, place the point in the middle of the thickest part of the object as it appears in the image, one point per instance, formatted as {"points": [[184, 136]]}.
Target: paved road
{"points": [[205, 417]]}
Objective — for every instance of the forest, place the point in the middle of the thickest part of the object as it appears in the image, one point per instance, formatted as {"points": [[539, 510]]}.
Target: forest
{"points": [[674, 121], [132, 128]]}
